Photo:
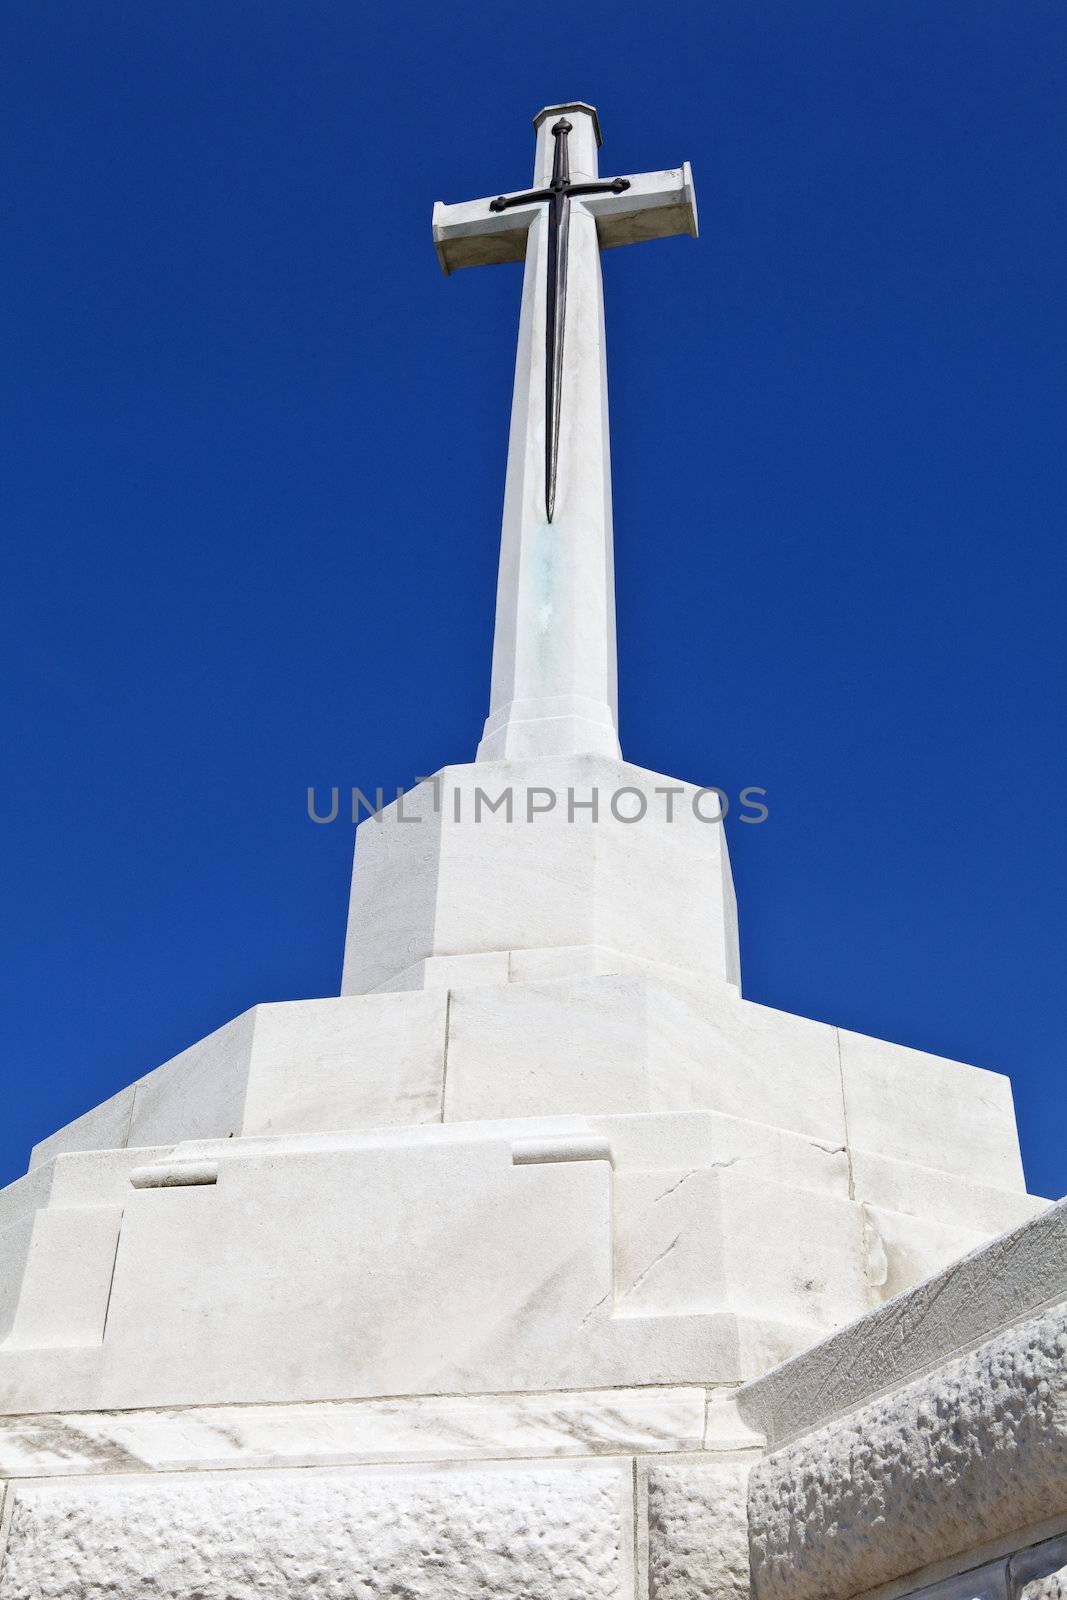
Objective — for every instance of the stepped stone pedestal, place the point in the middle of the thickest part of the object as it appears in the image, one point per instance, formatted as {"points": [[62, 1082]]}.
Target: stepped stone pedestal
{"points": [[533, 1204]]}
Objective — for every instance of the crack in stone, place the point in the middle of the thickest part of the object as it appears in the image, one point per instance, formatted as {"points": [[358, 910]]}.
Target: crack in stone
{"points": [[683, 1179], [593, 1309], [639, 1280], [710, 1166]]}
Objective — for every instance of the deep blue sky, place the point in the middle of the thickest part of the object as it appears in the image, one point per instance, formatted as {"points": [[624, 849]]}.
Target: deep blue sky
{"points": [[253, 459]]}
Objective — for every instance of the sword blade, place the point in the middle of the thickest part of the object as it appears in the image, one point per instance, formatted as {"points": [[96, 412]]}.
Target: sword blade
{"points": [[559, 212]]}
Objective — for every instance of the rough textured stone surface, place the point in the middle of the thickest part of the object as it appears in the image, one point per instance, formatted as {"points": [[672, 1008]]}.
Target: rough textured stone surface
{"points": [[532, 1535], [970, 1453], [697, 1532]]}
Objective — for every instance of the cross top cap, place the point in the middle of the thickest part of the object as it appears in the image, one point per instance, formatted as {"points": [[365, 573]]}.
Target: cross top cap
{"points": [[571, 105]]}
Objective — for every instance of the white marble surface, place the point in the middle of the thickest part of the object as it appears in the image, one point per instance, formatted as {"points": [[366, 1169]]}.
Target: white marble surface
{"points": [[66, 1285], [713, 1239], [902, 1250], [972, 1135], [530, 965], [631, 1043], [423, 1428], [684, 1141], [940, 1196], [1007, 1280], [392, 1271], [459, 879], [15, 1242], [376, 1061]]}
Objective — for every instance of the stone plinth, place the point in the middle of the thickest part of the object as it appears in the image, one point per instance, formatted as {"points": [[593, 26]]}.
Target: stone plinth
{"points": [[512, 861], [555, 1149]]}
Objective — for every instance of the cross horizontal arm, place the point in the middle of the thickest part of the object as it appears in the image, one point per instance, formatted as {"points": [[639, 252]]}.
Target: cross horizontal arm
{"points": [[473, 235], [655, 205]]}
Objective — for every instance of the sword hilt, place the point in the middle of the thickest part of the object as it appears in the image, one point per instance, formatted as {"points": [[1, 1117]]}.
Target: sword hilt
{"points": [[561, 161]]}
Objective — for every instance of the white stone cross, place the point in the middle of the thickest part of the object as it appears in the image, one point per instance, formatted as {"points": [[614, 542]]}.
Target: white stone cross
{"points": [[554, 670]]}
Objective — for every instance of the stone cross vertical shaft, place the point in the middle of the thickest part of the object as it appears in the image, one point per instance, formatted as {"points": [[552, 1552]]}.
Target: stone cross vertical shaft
{"points": [[554, 672]]}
